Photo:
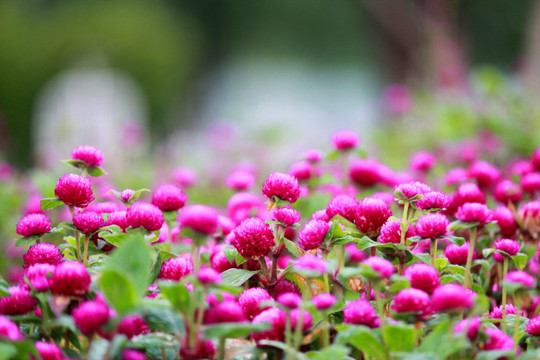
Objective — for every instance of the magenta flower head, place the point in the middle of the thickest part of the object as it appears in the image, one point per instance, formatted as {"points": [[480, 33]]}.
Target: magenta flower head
{"points": [[227, 311], [289, 300], [126, 195], [433, 200], [240, 180], [88, 154], [323, 301], [175, 269], [451, 297], [88, 222], [42, 253], [372, 214], [70, 278], [456, 176], [286, 216], [383, 267], [498, 340], [533, 326], [74, 190], [276, 318], [413, 189], [9, 330], [38, 274], [520, 277], [530, 215], [131, 354], [397, 99], [253, 238], [432, 226], [423, 277], [283, 186], [313, 156], [145, 215], [208, 276], [302, 170], [422, 161], [307, 320], [285, 286], [312, 234], [33, 224], [251, 299], [90, 316], [355, 255], [485, 174], [344, 205], [345, 140], [506, 191], [49, 351], [457, 255], [118, 218], [530, 183], [133, 325], [243, 205], [310, 265], [497, 312], [411, 301], [360, 312], [474, 212], [169, 198], [505, 220], [471, 325], [19, 302], [365, 172], [200, 218], [469, 193], [509, 246], [391, 232], [203, 349]]}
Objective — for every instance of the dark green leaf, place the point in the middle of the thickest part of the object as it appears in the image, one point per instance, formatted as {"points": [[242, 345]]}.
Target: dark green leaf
{"points": [[494, 355], [50, 203], [366, 243], [287, 349], [344, 240], [520, 260], [363, 339], [334, 352], [164, 320], [461, 225], [96, 171], [235, 329], [236, 277], [176, 293], [399, 337], [79, 164], [423, 258], [24, 241], [294, 249], [436, 344], [399, 283], [119, 290], [458, 240]]}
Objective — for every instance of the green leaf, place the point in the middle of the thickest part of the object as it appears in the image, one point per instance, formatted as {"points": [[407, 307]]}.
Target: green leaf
{"points": [[520, 260], [425, 258], [458, 240], [236, 277], [234, 330], [362, 338], [344, 240], [4, 286], [230, 253], [50, 203], [164, 320], [24, 241], [440, 263], [79, 164], [113, 239], [455, 269], [170, 216], [119, 290], [176, 293], [461, 225], [95, 171], [294, 249], [366, 243], [98, 349], [399, 283], [399, 337], [7, 351], [334, 352], [495, 354], [437, 345]]}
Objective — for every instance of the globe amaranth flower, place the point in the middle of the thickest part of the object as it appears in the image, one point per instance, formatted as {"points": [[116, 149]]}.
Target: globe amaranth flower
{"points": [[474, 212], [105, 207], [497, 340], [397, 99], [323, 301], [422, 276], [33, 224], [88, 154], [42, 253], [169, 198], [391, 232], [313, 155], [49, 351], [530, 217], [74, 190], [530, 183], [433, 200], [126, 195], [145, 215], [422, 161], [133, 325], [509, 246], [507, 191], [289, 300], [450, 297], [208, 276], [90, 316], [303, 316], [88, 222], [485, 174], [203, 349], [302, 170], [456, 176], [251, 299], [286, 216], [199, 218], [9, 330], [253, 238], [360, 312], [354, 255], [185, 177], [411, 301], [344, 205], [413, 189], [457, 255], [471, 325], [533, 326], [226, 311], [365, 172], [38, 275], [243, 205], [70, 278], [469, 193], [118, 218], [310, 265], [497, 311], [520, 277], [345, 140], [19, 302], [383, 267], [286, 286], [276, 318], [240, 180], [372, 214], [312, 234], [132, 354], [283, 186], [432, 226], [175, 269], [505, 220]]}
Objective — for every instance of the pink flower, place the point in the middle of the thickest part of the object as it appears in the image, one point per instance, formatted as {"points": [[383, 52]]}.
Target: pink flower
{"points": [[33, 224], [365, 172], [276, 318], [199, 218], [49, 351], [302, 170], [432, 226], [511, 247], [285, 286], [169, 198], [507, 191], [397, 99], [251, 299], [423, 277], [422, 161], [88, 222], [497, 312], [355, 255], [411, 301], [310, 265], [313, 155], [391, 232], [433, 200], [105, 207], [126, 194], [226, 311], [133, 325], [240, 180], [204, 349], [360, 312], [90, 316], [345, 140], [471, 325], [175, 269], [290, 300], [286, 216], [131, 354], [118, 218], [413, 189], [184, 177], [74, 190], [530, 214], [145, 215], [244, 205], [451, 297], [520, 277], [505, 220], [457, 255], [42, 253], [474, 212], [9, 330], [253, 238], [372, 214], [70, 278], [19, 302], [469, 193], [283, 186], [485, 174], [38, 274], [88, 154], [530, 183], [323, 301], [456, 176], [498, 340], [533, 326], [381, 266], [312, 234], [306, 317], [208, 276], [344, 205]]}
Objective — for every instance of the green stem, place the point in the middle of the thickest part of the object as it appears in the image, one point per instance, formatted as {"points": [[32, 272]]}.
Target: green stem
{"points": [[341, 256], [516, 325], [264, 267], [433, 251], [326, 331], [170, 235], [505, 270], [404, 223], [221, 349], [86, 241], [472, 245], [380, 308], [77, 240], [288, 333], [325, 276]]}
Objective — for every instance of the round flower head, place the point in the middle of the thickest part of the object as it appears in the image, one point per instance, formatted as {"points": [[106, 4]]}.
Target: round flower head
{"points": [[185, 177], [133, 325], [289, 300], [88, 154], [90, 316], [433, 200], [360, 312], [474, 212], [520, 277], [535, 158], [204, 349], [19, 302], [88, 222], [530, 183], [49, 351], [344, 205], [381, 266], [9, 330], [345, 140], [199, 218], [251, 299], [391, 232], [240, 180], [145, 215], [70, 278], [42, 253], [105, 207], [118, 218], [302, 170], [423, 277], [312, 234], [131, 354], [226, 311], [457, 255], [497, 312], [507, 191], [411, 301], [306, 317], [74, 190], [505, 220], [313, 155], [208, 276], [285, 286], [397, 99], [169, 198], [33, 224], [253, 238], [511, 247], [286, 216], [456, 176], [244, 205], [413, 189], [276, 318], [530, 215], [498, 340], [365, 172], [310, 265], [469, 193], [126, 194], [422, 161], [451, 297], [175, 269], [533, 326], [372, 214], [323, 301], [38, 274], [432, 226], [485, 174], [471, 325], [283, 186]]}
